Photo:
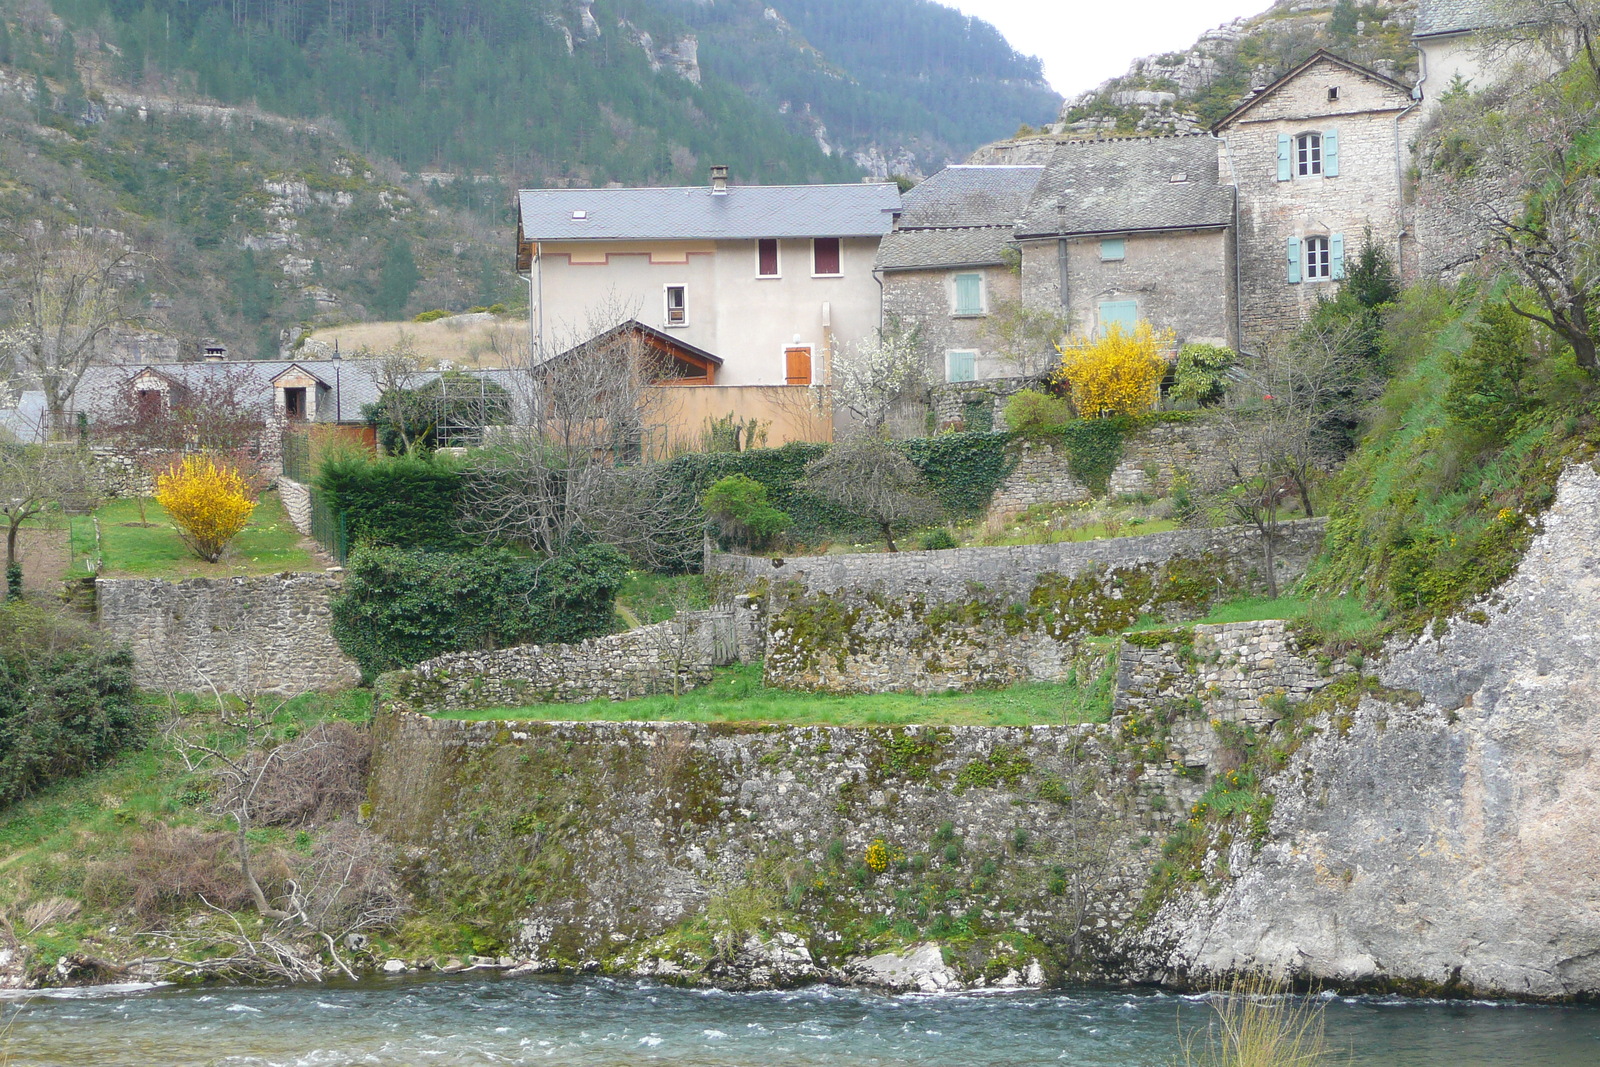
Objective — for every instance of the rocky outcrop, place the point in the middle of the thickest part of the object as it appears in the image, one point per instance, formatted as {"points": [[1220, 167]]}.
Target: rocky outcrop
{"points": [[1439, 837]]}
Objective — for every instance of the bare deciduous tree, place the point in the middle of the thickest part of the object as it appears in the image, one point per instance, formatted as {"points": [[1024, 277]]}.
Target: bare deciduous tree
{"points": [[33, 478], [68, 287], [573, 469], [1026, 336], [397, 375], [867, 475]]}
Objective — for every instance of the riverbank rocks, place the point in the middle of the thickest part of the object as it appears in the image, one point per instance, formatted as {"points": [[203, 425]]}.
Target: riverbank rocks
{"points": [[919, 969]]}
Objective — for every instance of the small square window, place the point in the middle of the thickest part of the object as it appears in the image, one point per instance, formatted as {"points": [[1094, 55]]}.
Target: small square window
{"points": [[1112, 249], [767, 258], [677, 306], [825, 256], [969, 294], [1333, 93], [961, 366]]}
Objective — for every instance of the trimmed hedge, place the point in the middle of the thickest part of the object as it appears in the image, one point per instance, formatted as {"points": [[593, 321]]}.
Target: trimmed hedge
{"points": [[406, 502], [67, 701], [402, 606]]}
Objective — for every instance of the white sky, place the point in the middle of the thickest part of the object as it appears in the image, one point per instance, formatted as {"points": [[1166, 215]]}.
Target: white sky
{"points": [[1084, 42]]}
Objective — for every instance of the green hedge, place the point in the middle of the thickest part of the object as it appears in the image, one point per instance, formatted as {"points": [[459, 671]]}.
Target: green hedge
{"points": [[402, 606], [963, 469], [406, 502], [67, 701]]}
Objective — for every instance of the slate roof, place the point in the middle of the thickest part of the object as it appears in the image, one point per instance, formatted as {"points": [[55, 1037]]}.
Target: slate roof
{"points": [[969, 195], [866, 209], [1456, 16], [25, 423], [976, 246], [103, 389], [1126, 185]]}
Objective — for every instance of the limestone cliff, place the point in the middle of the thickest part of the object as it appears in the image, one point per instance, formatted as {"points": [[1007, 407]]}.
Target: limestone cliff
{"points": [[1447, 842]]}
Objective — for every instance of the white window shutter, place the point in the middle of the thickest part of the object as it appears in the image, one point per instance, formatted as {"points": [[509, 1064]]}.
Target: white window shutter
{"points": [[1336, 255], [1294, 260], [1285, 156], [1330, 153]]}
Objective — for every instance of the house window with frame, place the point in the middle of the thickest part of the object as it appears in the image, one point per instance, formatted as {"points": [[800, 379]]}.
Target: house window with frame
{"points": [[1308, 154], [294, 404], [1319, 259], [677, 306], [767, 258], [825, 261], [969, 294]]}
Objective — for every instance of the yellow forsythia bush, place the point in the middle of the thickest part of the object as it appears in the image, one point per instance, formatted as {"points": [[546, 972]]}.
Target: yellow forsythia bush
{"points": [[209, 502], [1118, 373]]}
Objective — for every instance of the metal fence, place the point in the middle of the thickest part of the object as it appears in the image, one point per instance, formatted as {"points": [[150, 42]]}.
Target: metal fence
{"points": [[297, 457], [328, 527]]}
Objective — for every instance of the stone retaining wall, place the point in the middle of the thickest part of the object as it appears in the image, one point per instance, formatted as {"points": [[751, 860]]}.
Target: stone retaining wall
{"points": [[955, 573], [667, 657], [297, 502], [1154, 457], [239, 634]]}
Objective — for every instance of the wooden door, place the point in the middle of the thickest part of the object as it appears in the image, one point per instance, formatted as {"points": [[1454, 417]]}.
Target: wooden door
{"points": [[798, 364]]}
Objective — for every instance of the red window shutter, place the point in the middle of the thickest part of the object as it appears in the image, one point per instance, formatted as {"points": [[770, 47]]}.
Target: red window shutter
{"points": [[769, 258], [826, 251]]}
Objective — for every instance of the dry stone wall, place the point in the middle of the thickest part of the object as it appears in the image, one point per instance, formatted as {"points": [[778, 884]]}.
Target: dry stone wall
{"points": [[297, 502], [1153, 459], [245, 633], [667, 657]]}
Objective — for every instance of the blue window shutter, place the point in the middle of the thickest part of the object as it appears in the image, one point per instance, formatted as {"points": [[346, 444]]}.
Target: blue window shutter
{"points": [[969, 294], [1285, 152], [963, 366], [1294, 260], [1330, 154], [1336, 255], [1124, 313], [1113, 248]]}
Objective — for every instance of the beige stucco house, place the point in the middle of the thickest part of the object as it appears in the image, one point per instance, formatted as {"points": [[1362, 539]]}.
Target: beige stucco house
{"points": [[770, 279]]}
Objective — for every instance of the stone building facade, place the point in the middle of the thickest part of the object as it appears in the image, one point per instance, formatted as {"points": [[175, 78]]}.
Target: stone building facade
{"points": [[1318, 158]]}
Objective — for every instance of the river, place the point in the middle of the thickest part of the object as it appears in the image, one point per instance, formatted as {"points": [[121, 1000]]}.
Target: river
{"points": [[595, 1022]]}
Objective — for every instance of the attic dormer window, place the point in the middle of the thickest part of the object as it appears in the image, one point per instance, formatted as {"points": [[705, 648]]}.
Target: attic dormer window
{"points": [[1178, 179], [579, 216]]}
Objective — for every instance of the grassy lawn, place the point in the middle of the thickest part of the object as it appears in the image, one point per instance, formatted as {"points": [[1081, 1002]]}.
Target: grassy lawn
{"points": [[737, 695], [268, 545], [646, 597], [1341, 618]]}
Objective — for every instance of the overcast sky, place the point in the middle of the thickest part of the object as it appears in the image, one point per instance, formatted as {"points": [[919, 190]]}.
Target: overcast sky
{"points": [[1084, 42]]}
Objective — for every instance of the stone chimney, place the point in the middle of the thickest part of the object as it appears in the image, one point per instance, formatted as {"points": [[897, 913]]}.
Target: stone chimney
{"points": [[719, 179]]}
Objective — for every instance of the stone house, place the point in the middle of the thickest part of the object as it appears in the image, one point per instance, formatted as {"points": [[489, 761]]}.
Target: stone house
{"points": [[1318, 158], [952, 263], [1132, 229]]}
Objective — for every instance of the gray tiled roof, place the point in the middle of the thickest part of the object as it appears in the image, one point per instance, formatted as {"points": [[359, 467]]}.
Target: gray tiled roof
{"points": [[1127, 184], [1457, 16], [977, 246], [744, 212], [971, 196], [24, 423], [102, 391]]}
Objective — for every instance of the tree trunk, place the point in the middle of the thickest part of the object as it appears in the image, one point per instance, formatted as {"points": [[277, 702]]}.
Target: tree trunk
{"points": [[1269, 537], [250, 882], [888, 535], [11, 543]]}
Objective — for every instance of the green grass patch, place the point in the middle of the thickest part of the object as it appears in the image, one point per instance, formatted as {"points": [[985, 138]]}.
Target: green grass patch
{"points": [[268, 545], [737, 694], [1340, 620], [646, 597]]}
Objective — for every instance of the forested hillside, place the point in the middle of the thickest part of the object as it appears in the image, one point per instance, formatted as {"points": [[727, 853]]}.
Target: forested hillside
{"points": [[592, 91]]}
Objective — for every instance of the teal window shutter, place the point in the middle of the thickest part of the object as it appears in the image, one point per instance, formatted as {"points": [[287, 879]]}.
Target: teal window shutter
{"points": [[1336, 255], [1285, 152], [1294, 260], [1124, 313], [961, 366], [1330, 154], [1113, 248], [969, 294]]}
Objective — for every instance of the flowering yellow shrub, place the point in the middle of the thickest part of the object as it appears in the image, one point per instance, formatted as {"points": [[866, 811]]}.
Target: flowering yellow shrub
{"points": [[209, 502], [1117, 374], [878, 856]]}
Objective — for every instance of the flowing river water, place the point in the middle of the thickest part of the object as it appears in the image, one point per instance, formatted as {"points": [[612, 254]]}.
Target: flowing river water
{"points": [[594, 1022]]}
